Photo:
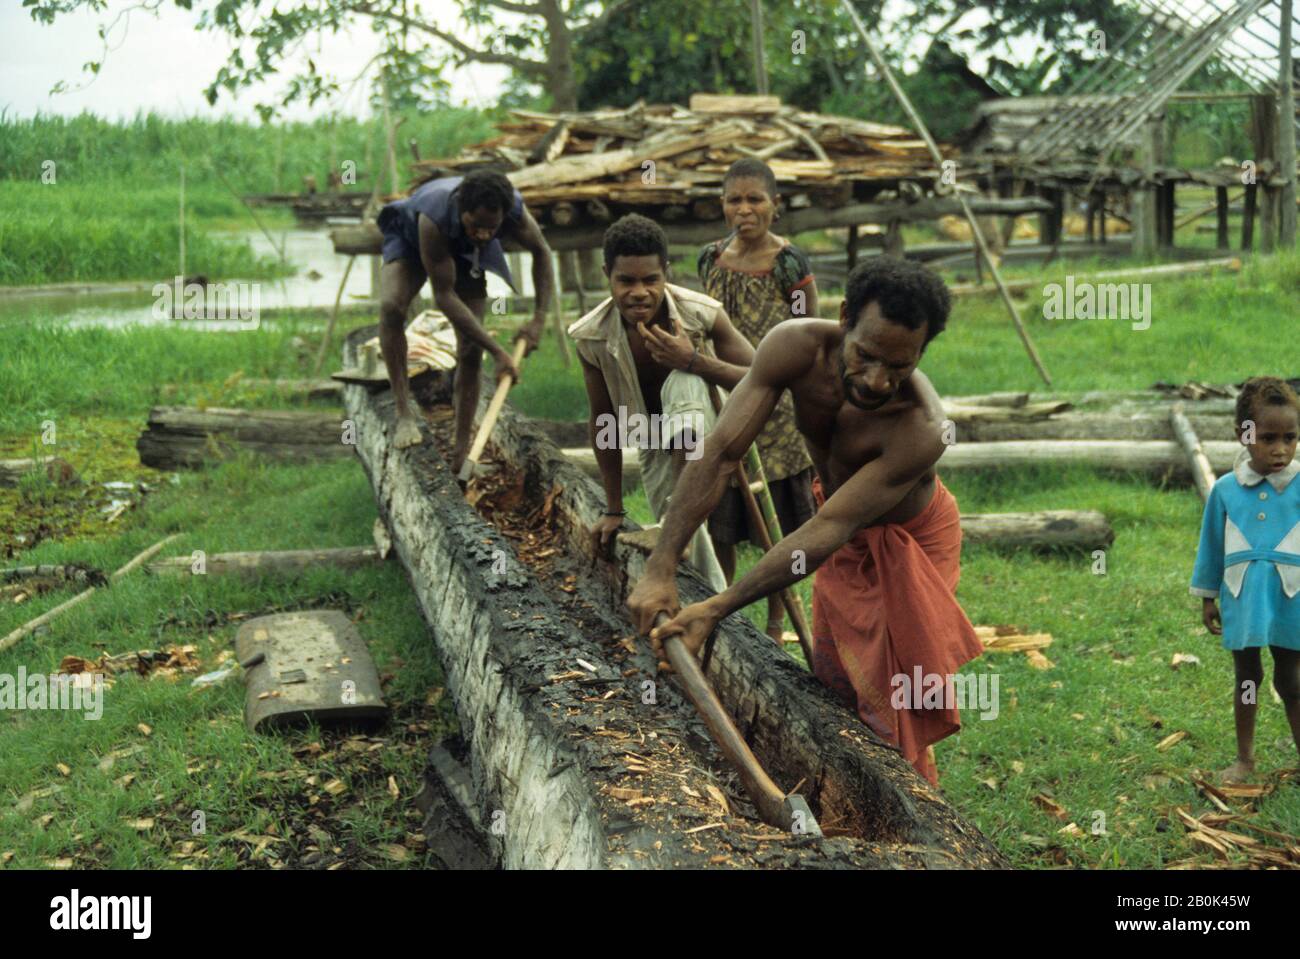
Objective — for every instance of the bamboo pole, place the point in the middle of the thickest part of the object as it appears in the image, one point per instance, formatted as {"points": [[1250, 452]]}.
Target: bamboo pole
{"points": [[334, 315], [1287, 129], [182, 216], [981, 245], [30, 627], [763, 519], [1197, 461]]}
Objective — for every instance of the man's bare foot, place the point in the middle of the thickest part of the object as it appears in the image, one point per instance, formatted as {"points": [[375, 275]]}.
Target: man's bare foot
{"points": [[1238, 772], [408, 433]]}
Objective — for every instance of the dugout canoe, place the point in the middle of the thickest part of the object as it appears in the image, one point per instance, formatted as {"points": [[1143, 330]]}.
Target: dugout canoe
{"points": [[580, 754]]}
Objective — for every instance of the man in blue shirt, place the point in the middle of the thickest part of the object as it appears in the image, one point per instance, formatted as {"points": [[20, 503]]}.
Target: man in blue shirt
{"points": [[449, 231]]}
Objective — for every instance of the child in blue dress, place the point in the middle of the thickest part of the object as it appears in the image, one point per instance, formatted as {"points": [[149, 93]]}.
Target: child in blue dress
{"points": [[1249, 559]]}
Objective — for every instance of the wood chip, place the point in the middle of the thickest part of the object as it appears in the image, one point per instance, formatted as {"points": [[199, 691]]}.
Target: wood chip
{"points": [[711, 825], [1173, 739], [1051, 807], [719, 797]]}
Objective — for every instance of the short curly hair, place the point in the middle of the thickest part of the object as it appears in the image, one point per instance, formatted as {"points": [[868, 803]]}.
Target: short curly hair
{"points": [[751, 167], [485, 190], [1263, 391], [908, 293], [635, 235]]}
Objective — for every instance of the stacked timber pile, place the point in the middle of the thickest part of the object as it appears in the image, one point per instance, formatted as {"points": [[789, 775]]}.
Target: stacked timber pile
{"points": [[668, 160]]}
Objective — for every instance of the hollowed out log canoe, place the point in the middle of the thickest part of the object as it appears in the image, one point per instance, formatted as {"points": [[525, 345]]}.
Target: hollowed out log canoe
{"points": [[572, 768]]}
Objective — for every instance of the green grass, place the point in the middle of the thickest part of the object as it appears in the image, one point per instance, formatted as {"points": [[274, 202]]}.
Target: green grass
{"points": [[198, 756], [107, 209], [1114, 634]]}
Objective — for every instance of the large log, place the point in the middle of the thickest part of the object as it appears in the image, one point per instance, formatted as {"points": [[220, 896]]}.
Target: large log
{"points": [[1091, 426], [550, 751], [1073, 529], [53, 468], [1137, 456], [366, 239], [182, 437], [1059, 529], [281, 562]]}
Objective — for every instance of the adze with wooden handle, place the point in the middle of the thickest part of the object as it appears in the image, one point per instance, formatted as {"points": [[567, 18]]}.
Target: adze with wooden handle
{"points": [[490, 417], [791, 812]]}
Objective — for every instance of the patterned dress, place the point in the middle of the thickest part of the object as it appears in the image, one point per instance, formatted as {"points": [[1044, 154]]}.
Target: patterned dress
{"points": [[756, 302]]}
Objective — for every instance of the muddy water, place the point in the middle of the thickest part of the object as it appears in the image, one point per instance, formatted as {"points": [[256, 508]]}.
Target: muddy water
{"points": [[314, 284]]}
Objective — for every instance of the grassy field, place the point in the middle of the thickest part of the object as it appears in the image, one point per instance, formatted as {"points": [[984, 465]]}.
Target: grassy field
{"points": [[1082, 734], [87, 199]]}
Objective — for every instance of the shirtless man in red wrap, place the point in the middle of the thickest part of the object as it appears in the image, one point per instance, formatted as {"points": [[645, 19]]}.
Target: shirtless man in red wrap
{"points": [[886, 541]]}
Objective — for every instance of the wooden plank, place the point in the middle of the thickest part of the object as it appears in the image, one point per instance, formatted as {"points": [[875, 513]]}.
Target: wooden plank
{"points": [[734, 103]]}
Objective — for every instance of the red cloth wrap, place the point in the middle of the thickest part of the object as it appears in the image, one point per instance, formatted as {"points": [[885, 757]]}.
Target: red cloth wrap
{"points": [[884, 603]]}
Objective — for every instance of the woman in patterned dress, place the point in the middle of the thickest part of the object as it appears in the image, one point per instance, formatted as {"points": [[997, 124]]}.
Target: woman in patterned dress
{"points": [[761, 280]]}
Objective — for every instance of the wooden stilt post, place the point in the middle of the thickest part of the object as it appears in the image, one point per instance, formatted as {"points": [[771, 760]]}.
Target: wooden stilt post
{"points": [[1221, 225], [1144, 195], [1264, 137], [1286, 153], [978, 234]]}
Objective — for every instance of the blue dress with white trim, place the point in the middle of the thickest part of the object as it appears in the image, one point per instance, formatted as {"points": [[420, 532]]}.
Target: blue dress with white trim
{"points": [[1249, 556]]}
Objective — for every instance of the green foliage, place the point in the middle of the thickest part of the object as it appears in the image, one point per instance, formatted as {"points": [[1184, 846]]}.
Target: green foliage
{"points": [[254, 157], [111, 211]]}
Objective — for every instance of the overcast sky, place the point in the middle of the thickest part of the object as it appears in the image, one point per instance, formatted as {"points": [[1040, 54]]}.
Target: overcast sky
{"points": [[162, 63]]}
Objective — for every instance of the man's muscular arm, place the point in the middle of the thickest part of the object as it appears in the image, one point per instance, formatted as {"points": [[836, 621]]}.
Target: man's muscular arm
{"points": [[875, 488], [783, 355], [529, 236], [912, 449], [441, 267], [609, 457], [734, 357]]}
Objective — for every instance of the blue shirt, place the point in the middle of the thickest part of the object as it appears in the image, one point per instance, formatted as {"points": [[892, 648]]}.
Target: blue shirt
{"points": [[437, 200], [1249, 556]]}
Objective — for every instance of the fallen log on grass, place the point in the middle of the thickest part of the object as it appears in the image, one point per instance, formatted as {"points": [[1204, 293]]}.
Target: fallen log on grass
{"points": [[271, 562], [1147, 425], [582, 755], [1152, 457], [1061, 529], [54, 469], [183, 437]]}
